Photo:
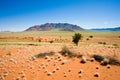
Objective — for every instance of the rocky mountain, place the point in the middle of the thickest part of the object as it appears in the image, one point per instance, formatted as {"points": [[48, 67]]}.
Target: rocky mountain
{"points": [[108, 29], [50, 26]]}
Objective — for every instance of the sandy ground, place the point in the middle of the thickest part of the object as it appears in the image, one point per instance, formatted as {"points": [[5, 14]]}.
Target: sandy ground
{"points": [[19, 66]]}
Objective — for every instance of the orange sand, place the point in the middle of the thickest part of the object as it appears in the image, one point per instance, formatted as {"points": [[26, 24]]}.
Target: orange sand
{"points": [[18, 66]]}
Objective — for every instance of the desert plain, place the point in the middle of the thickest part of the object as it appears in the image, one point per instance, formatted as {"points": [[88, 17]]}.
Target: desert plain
{"points": [[51, 55]]}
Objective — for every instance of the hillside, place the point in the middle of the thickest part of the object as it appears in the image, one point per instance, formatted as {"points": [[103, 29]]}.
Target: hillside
{"points": [[50, 26]]}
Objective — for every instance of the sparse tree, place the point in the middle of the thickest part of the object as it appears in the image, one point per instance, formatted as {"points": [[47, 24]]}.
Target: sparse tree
{"points": [[76, 38]]}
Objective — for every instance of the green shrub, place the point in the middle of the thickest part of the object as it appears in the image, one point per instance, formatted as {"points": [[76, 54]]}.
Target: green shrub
{"points": [[76, 38]]}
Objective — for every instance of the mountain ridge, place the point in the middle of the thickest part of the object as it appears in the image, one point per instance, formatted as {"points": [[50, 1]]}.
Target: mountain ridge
{"points": [[50, 26]]}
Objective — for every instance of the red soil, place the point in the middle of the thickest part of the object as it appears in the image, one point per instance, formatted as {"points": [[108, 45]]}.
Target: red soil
{"points": [[18, 65]]}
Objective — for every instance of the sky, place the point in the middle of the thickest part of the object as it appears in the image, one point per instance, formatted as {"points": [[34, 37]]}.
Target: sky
{"points": [[18, 15]]}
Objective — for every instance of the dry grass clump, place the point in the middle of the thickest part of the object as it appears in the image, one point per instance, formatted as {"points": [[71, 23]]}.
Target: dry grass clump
{"points": [[69, 52], [104, 60], [40, 55], [98, 57], [113, 61]]}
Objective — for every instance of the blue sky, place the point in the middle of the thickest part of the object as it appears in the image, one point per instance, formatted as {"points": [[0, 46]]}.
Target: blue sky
{"points": [[18, 15]]}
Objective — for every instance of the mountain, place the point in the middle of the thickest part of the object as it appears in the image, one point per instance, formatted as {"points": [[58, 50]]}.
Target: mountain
{"points": [[50, 26], [108, 29]]}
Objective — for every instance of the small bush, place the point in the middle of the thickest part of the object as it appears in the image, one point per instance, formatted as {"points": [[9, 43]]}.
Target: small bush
{"points": [[76, 38], [90, 36]]}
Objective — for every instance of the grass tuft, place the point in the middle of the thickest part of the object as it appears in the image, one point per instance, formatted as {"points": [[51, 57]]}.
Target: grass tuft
{"points": [[40, 55], [70, 52], [67, 52], [98, 57], [106, 60]]}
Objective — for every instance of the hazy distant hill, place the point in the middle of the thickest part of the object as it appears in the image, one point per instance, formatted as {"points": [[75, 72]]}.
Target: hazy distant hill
{"points": [[108, 29], [50, 26]]}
